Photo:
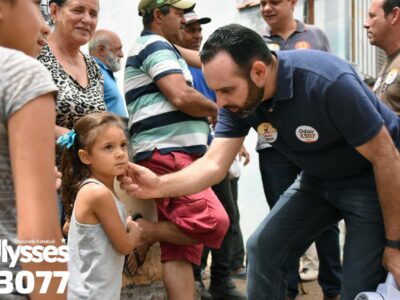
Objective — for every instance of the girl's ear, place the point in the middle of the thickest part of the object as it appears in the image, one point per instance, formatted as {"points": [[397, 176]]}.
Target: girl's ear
{"points": [[84, 156]]}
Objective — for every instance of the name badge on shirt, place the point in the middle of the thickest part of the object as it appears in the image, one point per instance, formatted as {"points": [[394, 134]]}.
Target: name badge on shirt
{"points": [[267, 131], [307, 134]]}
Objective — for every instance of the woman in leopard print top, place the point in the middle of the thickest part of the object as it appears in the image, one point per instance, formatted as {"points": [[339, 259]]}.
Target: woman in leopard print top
{"points": [[77, 75]]}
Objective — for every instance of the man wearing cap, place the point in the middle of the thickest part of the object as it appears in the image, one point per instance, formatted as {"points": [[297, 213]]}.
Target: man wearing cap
{"points": [[383, 27], [283, 32], [106, 49], [168, 131], [221, 285]]}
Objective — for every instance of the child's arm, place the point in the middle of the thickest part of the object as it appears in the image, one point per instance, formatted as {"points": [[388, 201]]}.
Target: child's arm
{"points": [[31, 140], [104, 208]]}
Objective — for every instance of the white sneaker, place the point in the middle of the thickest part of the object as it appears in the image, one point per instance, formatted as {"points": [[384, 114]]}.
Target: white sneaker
{"points": [[308, 275]]}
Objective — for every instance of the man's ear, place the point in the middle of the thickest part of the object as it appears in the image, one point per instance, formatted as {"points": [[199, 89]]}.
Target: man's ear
{"points": [[396, 15], [101, 49], [84, 156], [157, 15], [258, 73]]}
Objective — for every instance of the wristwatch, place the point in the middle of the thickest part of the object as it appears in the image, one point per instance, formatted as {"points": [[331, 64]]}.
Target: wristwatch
{"points": [[392, 244]]}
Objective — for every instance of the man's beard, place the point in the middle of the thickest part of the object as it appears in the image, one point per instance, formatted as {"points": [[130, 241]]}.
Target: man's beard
{"points": [[255, 95], [112, 62]]}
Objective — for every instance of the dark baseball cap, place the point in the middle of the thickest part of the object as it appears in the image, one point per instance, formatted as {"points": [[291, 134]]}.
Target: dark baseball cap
{"points": [[191, 17], [149, 5]]}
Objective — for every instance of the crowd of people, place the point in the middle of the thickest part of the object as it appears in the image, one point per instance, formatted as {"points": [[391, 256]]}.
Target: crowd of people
{"points": [[327, 144]]}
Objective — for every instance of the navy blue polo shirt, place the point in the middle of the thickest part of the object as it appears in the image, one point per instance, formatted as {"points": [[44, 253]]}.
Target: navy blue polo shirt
{"points": [[321, 110]]}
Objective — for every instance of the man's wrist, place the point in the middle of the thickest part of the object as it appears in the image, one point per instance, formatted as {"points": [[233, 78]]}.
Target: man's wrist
{"points": [[392, 244]]}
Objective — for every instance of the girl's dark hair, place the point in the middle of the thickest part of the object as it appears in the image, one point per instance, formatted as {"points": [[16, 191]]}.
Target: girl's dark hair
{"points": [[72, 169]]}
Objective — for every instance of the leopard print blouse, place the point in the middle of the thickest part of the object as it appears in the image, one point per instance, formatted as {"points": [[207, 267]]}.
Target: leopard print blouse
{"points": [[74, 101]]}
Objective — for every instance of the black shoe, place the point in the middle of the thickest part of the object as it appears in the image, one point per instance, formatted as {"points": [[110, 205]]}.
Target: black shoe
{"points": [[226, 291]]}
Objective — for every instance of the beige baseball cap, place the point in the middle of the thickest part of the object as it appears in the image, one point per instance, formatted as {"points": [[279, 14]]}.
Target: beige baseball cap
{"points": [[148, 5]]}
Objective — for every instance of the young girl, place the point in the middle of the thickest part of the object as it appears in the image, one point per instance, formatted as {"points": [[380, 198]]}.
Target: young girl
{"points": [[98, 238], [27, 183]]}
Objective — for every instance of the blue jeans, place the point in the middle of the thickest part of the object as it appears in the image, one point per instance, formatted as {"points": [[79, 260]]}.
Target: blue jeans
{"points": [[302, 213], [278, 173]]}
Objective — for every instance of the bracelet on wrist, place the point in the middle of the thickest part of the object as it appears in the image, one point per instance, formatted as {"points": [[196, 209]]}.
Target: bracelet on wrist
{"points": [[392, 244]]}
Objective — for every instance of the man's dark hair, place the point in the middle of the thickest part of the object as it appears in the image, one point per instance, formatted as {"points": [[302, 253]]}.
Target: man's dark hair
{"points": [[148, 17], [388, 5], [241, 43], [59, 3]]}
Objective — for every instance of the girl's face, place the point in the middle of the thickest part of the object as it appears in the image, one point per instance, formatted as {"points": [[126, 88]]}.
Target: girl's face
{"points": [[108, 156], [22, 26], [76, 19]]}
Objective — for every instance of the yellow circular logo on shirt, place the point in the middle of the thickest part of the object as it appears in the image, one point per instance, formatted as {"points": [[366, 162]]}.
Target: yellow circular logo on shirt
{"points": [[302, 45], [267, 131]]}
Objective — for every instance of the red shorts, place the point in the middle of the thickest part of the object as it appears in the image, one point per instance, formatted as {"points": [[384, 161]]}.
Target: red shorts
{"points": [[200, 216]]}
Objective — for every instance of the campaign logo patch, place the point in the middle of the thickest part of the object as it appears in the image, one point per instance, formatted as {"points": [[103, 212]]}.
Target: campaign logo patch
{"points": [[267, 131], [302, 45], [307, 134]]}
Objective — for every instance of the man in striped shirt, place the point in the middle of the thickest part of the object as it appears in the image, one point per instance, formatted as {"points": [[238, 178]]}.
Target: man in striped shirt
{"points": [[168, 131]]}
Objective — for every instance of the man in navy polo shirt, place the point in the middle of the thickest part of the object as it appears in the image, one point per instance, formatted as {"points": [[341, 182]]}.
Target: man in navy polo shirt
{"points": [[283, 32], [313, 108]]}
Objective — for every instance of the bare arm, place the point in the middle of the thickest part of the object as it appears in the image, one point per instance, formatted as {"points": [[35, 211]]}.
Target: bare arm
{"points": [[31, 137], [204, 172], [103, 206], [191, 57], [186, 98], [385, 160]]}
